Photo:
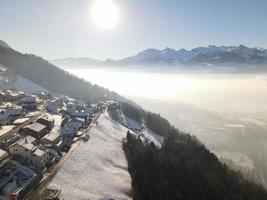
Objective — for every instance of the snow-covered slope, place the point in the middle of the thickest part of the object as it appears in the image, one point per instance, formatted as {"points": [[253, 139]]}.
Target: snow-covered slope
{"points": [[10, 80], [98, 168], [145, 132]]}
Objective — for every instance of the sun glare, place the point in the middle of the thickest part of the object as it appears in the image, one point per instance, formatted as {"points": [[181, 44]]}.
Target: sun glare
{"points": [[105, 14]]}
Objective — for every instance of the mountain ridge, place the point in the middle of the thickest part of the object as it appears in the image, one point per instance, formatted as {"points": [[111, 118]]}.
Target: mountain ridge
{"points": [[202, 56], [52, 78]]}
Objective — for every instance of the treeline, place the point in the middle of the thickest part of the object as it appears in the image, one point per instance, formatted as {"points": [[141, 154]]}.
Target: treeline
{"points": [[152, 121], [53, 78], [183, 169]]}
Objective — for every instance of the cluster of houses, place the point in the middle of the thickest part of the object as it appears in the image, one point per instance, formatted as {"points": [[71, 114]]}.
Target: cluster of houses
{"points": [[35, 132]]}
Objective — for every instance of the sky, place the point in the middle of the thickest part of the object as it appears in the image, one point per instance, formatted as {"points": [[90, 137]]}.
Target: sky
{"points": [[64, 28]]}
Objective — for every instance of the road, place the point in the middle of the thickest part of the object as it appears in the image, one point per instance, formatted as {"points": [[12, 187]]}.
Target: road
{"points": [[36, 194]]}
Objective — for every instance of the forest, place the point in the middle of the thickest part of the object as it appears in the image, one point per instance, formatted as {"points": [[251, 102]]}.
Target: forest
{"points": [[183, 169]]}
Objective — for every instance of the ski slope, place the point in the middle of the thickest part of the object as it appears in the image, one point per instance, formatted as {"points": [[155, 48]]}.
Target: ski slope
{"points": [[98, 168]]}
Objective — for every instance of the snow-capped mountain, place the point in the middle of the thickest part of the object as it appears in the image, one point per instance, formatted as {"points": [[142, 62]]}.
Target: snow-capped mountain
{"points": [[218, 58], [201, 55], [4, 44]]}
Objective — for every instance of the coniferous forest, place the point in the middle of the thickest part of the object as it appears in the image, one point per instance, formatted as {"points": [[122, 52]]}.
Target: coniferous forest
{"points": [[183, 169]]}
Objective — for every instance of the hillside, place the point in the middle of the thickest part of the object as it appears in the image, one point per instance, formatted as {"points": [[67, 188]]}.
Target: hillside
{"points": [[76, 62], [52, 78], [10, 80], [102, 169], [183, 169]]}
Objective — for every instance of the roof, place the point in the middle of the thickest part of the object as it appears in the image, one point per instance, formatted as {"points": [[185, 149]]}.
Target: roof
{"points": [[28, 99], [46, 117], [6, 113], [20, 120], [36, 127], [5, 129], [52, 136], [68, 130], [38, 152], [2, 153], [27, 143]]}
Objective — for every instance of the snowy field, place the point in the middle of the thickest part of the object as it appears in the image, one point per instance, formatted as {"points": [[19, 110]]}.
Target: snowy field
{"points": [[98, 168]]}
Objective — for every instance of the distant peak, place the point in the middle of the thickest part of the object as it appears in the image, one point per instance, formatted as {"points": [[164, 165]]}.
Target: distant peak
{"points": [[4, 44], [242, 46], [168, 49]]}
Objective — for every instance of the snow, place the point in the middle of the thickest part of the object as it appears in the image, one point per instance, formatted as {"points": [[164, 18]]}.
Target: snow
{"points": [[4, 44], [98, 168], [9, 80], [20, 120], [5, 129], [148, 134], [133, 124], [25, 85], [152, 137]]}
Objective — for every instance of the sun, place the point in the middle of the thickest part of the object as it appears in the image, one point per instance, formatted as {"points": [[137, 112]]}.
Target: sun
{"points": [[105, 14]]}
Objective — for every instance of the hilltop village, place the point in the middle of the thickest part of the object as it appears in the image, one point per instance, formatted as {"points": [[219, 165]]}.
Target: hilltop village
{"points": [[37, 132]]}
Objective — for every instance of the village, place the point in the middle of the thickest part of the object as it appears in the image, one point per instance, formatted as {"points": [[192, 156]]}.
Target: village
{"points": [[37, 132]]}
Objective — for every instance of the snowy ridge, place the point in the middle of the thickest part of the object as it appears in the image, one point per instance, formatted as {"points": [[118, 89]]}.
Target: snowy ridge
{"points": [[224, 54], [4, 44], [98, 169]]}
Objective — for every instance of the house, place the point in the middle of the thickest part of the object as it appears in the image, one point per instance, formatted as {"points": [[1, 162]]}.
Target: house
{"points": [[51, 139], [16, 180], [28, 151], [46, 120], [5, 130], [68, 131], [36, 130], [54, 106], [29, 103], [10, 95], [7, 140], [76, 122], [3, 155], [77, 110], [4, 117], [8, 114]]}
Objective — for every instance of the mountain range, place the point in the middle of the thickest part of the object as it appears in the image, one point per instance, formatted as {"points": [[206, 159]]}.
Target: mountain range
{"points": [[211, 56]]}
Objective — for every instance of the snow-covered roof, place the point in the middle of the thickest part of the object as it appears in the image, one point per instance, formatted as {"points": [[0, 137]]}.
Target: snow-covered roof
{"points": [[38, 152], [36, 127], [20, 120], [2, 154], [5, 129], [47, 117], [27, 143], [52, 136]]}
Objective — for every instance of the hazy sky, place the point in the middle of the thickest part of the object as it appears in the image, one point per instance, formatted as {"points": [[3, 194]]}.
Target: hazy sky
{"points": [[63, 28]]}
